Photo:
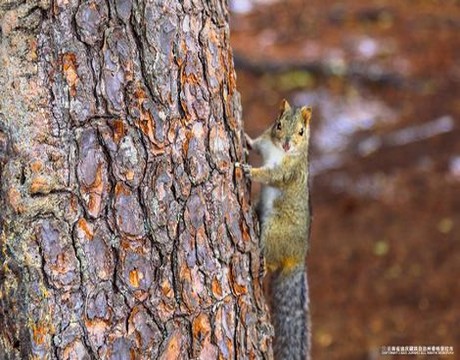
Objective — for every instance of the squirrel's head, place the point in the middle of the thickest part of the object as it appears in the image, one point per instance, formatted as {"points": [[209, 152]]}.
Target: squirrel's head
{"points": [[291, 131]]}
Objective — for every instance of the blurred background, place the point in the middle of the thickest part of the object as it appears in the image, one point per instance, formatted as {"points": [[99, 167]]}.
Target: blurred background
{"points": [[383, 78]]}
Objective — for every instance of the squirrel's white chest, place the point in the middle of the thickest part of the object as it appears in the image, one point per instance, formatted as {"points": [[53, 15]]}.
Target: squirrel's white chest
{"points": [[272, 156]]}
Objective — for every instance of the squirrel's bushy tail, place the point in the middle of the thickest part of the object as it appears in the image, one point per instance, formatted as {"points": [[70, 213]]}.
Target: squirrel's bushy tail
{"points": [[291, 316]]}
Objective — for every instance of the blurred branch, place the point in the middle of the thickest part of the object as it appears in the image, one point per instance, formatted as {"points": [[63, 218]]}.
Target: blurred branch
{"points": [[369, 73]]}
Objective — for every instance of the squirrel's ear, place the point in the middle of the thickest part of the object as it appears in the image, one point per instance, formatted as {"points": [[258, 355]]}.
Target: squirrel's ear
{"points": [[284, 106], [306, 114]]}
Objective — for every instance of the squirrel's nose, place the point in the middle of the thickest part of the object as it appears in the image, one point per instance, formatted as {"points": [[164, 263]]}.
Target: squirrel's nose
{"points": [[286, 146]]}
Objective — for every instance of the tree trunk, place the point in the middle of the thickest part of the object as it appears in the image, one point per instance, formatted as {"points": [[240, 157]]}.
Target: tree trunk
{"points": [[125, 233]]}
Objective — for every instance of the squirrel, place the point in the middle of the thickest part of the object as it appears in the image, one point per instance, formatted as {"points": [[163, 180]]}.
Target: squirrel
{"points": [[285, 216]]}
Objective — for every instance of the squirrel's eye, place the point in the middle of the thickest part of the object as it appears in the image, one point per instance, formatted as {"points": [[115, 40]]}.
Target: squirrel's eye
{"points": [[278, 127], [301, 132]]}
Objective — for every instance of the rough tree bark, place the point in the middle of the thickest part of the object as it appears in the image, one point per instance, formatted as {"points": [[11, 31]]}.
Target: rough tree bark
{"points": [[125, 233]]}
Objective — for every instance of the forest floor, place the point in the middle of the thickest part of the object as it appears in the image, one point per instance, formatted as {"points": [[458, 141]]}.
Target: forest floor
{"points": [[383, 78]]}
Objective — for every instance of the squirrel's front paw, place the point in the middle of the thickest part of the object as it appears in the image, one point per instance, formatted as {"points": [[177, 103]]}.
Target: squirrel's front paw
{"points": [[245, 167]]}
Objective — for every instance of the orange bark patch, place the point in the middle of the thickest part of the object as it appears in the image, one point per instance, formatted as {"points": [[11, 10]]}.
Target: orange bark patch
{"points": [[231, 78], [97, 183], [32, 54], [135, 276], [189, 78], [238, 173], [201, 327], [40, 185], [119, 130], [166, 289], [69, 67], [85, 227], [95, 194], [239, 289], [188, 136], [237, 280], [216, 287], [120, 189], [94, 204], [36, 166], [129, 175], [145, 121], [245, 234], [39, 334]]}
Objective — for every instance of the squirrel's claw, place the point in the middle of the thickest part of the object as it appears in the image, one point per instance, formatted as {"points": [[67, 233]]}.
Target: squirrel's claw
{"points": [[263, 267], [246, 168]]}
